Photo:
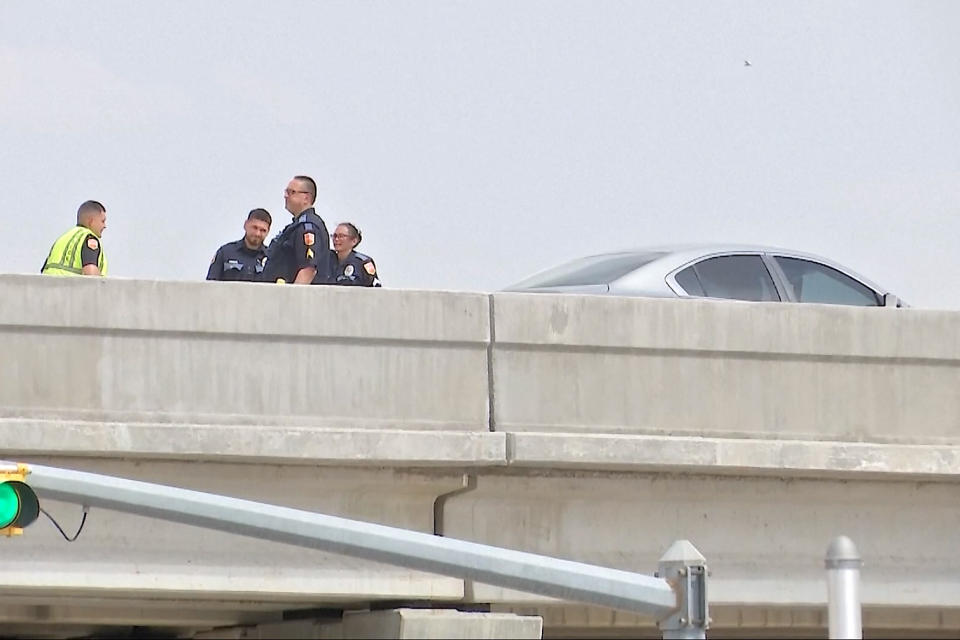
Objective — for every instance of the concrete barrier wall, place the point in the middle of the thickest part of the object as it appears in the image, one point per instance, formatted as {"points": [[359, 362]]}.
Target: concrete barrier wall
{"points": [[237, 353], [128, 352], [759, 370]]}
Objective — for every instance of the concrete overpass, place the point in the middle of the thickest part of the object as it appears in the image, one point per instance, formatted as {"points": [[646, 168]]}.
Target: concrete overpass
{"points": [[589, 428]]}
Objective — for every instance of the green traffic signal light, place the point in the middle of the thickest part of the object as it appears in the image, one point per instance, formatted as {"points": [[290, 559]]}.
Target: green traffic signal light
{"points": [[18, 505]]}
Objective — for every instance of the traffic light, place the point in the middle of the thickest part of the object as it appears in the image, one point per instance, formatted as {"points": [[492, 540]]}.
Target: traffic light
{"points": [[19, 506]]}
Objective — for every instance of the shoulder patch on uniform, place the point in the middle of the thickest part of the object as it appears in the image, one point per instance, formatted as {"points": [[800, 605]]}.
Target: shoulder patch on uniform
{"points": [[93, 244], [370, 268], [309, 238]]}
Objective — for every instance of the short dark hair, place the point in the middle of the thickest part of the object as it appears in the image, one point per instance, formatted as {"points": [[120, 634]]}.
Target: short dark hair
{"points": [[311, 186], [88, 209], [353, 230], [260, 214]]}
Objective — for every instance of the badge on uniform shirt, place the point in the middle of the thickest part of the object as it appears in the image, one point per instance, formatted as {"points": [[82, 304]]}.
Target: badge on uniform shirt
{"points": [[308, 239], [309, 253], [93, 244], [372, 270], [348, 270]]}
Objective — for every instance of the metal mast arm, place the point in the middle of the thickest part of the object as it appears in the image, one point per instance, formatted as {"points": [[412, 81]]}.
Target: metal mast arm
{"points": [[519, 570]]}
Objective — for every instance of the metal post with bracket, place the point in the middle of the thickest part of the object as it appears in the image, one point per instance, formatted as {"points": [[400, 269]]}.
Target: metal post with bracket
{"points": [[685, 569]]}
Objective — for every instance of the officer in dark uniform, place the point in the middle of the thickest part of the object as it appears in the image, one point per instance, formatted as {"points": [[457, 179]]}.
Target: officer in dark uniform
{"points": [[244, 259], [351, 268], [300, 254]]}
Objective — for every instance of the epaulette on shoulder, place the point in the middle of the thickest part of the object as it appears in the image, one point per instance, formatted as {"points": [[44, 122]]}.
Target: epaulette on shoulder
{"points": [[363, 257]]}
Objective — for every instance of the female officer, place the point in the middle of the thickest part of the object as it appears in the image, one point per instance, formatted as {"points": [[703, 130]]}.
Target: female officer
{"points": [[351, 269]]}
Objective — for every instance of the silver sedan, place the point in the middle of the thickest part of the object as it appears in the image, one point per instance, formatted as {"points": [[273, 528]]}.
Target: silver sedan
{"points": [[737, 272]]}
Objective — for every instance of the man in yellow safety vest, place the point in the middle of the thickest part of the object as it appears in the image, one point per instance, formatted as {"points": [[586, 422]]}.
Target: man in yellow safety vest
{"points": [[78, 251]]}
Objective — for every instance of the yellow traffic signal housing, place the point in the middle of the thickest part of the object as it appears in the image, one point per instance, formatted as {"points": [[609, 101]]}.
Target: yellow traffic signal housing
{"points": [[19, 506]]}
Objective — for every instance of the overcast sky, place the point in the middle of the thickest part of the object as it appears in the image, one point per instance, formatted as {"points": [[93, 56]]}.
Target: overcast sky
{"points": [[477, 142]]}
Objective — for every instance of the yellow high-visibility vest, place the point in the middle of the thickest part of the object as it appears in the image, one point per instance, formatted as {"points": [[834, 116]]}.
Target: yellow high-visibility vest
{"points": [[64, 258]]}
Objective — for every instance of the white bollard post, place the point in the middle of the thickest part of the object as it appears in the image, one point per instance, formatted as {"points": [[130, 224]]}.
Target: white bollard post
{"points": [[843, 564]]}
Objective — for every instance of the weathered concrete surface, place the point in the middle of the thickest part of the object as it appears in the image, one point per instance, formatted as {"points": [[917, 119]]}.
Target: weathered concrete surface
{"points": [[754, 370], [757, 431], [158, 352], [393, 623], [427, 623], [120, 557], [734, 456], [263, 444], [206, 353], [764, 538]]}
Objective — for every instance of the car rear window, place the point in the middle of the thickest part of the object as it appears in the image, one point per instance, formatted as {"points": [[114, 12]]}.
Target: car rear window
{"points": [[591, 270], [735, 277], [815, 282]]}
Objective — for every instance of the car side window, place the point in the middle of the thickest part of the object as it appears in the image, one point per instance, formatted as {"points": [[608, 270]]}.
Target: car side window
{"points": [[815, 282], [688, 280], [741, 277]]}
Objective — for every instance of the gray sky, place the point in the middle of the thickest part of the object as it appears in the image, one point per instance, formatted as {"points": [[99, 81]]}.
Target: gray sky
{"points": [[477, 142]]}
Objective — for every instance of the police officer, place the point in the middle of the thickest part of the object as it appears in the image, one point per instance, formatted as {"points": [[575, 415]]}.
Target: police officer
{"points": [[351, 268], [300, 254], [243, 259], [78, 251]]}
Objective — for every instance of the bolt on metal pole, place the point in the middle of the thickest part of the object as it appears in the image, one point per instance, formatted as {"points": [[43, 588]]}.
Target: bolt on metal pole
{"points": [[843, 564]]}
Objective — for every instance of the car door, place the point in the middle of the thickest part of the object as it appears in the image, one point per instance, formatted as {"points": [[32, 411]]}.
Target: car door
{"points": [[734, 276], [808, 280]]}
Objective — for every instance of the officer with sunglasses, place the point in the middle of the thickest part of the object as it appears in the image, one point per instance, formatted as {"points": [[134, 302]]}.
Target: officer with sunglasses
{"points": [[301, 253]]}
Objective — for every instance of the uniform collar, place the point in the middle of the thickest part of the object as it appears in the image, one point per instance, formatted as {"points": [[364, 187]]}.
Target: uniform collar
{"points": [[242, 246], [304, 215]]}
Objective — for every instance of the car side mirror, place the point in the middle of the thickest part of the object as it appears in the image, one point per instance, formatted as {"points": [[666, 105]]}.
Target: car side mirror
{"points": [[890, 300]]}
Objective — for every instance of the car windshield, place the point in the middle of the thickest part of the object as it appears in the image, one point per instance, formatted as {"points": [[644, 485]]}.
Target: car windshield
{"points": [[591, 270]]}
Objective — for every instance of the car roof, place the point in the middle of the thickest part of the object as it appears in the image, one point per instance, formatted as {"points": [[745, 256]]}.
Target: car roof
{"points": [[676, 256], [692, 251], [706, 248]]}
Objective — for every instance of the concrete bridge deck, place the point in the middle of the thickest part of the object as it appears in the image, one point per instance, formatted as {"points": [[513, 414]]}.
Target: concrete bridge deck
{"points": [[590, 428]]}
